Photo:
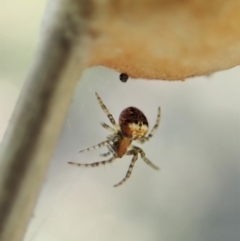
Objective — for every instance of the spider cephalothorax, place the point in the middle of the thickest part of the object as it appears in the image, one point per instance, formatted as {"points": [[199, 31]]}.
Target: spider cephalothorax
{"points": [[133, 126]]}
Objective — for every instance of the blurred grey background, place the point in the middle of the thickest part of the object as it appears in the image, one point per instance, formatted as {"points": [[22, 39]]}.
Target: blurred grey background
{"points": [[196, 194]]}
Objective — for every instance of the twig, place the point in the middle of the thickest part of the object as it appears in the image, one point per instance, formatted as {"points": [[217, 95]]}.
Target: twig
{"points": [[39, 114]]}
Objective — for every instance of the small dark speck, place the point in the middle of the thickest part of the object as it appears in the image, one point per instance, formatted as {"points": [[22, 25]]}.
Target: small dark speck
{"points": [[123, 77]]}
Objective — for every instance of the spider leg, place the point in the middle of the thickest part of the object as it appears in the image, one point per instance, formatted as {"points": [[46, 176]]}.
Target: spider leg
{"points": [[150, 135], [143, 156], [106, 126], [104, 143], [129, 172], [94, 164], [110, 117], [106, 154]]}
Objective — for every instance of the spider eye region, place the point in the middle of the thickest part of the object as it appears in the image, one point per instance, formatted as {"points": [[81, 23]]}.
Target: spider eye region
{"points": [[133, 123]]}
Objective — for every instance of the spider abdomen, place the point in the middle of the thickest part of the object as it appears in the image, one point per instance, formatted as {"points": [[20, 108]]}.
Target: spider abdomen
{"points": [[133, 123]]}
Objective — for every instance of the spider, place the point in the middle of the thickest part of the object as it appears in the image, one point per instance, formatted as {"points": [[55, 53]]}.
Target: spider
{"points": [[133, 126]]}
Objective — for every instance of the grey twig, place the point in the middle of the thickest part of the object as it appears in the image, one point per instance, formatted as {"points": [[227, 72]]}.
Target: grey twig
{"points": [[39, 114]]}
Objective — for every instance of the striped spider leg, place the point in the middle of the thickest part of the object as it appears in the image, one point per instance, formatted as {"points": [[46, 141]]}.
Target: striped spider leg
{"points": [[154, 129], [133, 126], [134, 152], [107, 143]]}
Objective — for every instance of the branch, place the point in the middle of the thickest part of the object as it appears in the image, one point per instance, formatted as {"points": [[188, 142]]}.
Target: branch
{"points": [[39, 115]]}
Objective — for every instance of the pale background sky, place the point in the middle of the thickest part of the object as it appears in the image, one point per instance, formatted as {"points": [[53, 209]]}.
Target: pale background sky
{"points": [[196, 194]]}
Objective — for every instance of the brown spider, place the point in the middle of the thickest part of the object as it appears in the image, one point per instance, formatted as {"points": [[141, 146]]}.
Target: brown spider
{"points": [[133, 126]]}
